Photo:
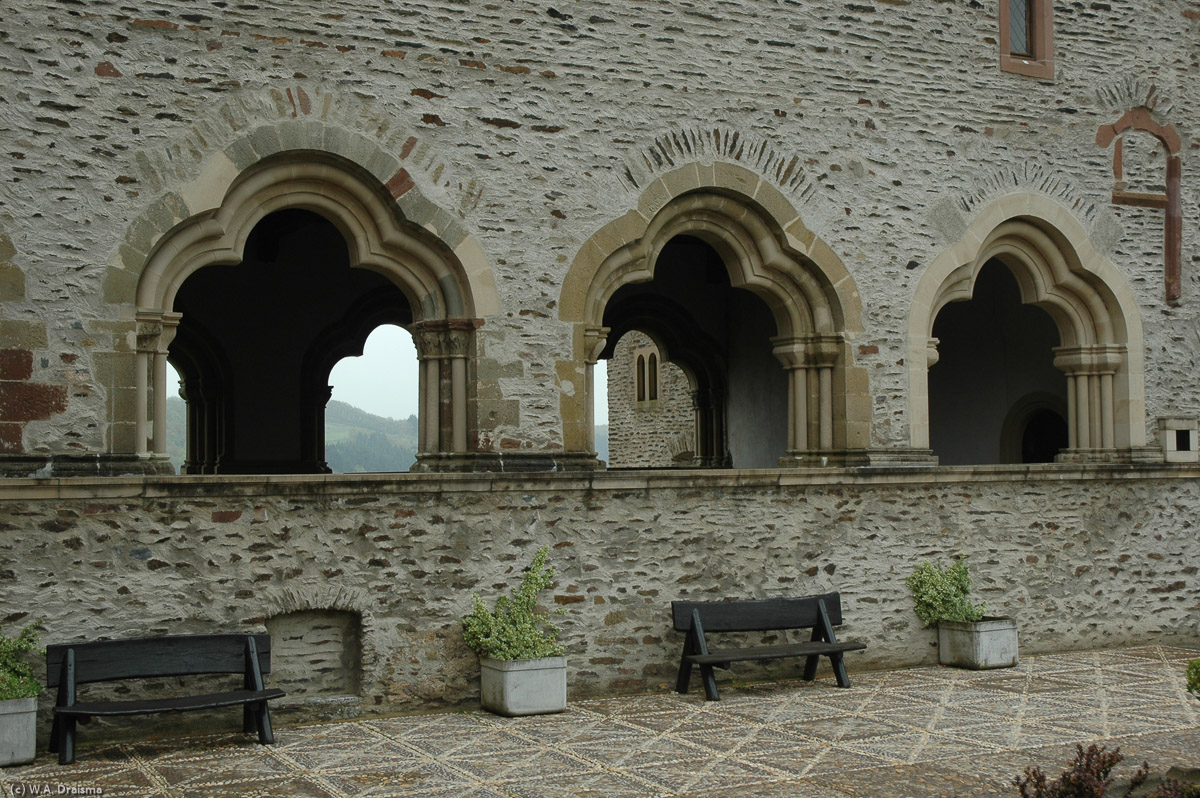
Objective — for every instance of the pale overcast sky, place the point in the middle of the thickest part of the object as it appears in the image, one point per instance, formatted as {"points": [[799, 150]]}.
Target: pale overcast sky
{"points": [[383, 381]]}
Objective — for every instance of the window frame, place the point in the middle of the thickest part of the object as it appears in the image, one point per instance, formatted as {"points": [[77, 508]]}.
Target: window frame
{"points": [[1039, 62]]}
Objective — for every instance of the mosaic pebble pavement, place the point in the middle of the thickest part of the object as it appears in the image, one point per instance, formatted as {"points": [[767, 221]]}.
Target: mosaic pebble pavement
{"points": [[911, 733]]}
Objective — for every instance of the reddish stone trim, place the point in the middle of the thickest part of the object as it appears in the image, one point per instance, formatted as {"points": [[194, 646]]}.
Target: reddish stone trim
{"points": [[1171, 202], [1040, 62], [16, 364]]}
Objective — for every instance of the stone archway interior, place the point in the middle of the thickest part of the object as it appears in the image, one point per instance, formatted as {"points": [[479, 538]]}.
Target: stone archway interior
{"points": [[993, 351], [256, 342], [722, 337]]}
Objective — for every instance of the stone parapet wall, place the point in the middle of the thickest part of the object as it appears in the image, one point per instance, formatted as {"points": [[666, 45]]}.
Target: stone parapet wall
{"points": [[1083, 557], [517, 131]]}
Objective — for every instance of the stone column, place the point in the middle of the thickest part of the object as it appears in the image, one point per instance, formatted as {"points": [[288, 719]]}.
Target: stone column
{"points": [[1090, 404], [443, 350], [155, 331]]}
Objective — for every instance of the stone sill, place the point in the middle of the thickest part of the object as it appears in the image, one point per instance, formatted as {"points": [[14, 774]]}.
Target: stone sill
{"points": [[363, 485]]}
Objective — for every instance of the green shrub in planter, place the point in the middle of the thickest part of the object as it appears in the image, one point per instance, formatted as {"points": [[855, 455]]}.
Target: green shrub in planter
{"points": [[942, 594], [16, 672], [1193, 677], [514, 629]]}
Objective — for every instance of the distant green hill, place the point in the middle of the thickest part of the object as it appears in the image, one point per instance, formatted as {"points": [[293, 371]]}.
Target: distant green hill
{"points": [[355, 440]]}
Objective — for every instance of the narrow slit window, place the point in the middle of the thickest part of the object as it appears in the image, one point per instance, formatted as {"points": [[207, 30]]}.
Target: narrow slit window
{"points": [[641, 378], [1027, 37], [652, 373], [1019, 27]]}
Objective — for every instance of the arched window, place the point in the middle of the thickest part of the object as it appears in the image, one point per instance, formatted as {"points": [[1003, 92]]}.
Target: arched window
{"points": [[1087, 355], [756, 322], [640, 376], [321, 256]]}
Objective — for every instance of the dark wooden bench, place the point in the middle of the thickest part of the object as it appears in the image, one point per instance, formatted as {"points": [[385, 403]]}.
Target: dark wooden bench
{"points": [[71, 664], [699, 618]]}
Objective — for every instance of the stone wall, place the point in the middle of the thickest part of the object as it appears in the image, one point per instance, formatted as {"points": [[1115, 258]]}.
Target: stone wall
{"points": [[371, 574], [887, 125], [656, 433]]}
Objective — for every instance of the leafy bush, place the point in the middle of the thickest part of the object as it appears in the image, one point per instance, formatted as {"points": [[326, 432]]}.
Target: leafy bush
{"points": [[1193, 676], [16, 672], [514, 629], [1088, 777], [941, 594]]}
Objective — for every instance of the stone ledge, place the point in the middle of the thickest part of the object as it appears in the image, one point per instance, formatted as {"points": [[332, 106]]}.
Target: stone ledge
{"points": [[78, 485]]}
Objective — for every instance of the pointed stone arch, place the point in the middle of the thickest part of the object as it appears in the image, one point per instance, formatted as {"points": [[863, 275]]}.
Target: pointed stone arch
{"points": [[767, 250], [432, 276], [1057, 269]]}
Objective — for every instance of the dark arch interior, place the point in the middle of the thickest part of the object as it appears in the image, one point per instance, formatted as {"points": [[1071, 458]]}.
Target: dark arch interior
{"points": [[257, 341], [1044, 435], [993, 351], [720, 335]]}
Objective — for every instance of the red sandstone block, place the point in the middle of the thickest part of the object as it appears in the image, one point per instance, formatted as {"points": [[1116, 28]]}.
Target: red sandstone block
{"points": [[10, 438], [23, 401], [225, 516], [16, 364]]}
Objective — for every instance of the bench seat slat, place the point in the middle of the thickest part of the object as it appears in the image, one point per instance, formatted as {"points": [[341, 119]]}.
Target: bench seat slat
{"points": [[761, 653], [175, 704]]}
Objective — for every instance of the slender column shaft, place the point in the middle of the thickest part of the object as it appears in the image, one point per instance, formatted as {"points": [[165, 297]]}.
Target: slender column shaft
{"points": [[798, 427], [141, 402], [1082, 414], [826, 404], [1072, 416], [1108, 428], [160, 403], [431, 416], [458, 391]]}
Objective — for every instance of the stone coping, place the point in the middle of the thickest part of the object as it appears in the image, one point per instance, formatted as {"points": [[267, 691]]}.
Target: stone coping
{"points": [[167, 487]]}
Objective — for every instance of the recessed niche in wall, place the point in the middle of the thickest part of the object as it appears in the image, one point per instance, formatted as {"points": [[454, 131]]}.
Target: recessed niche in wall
{"points": [[316, 653], [1178, 437]]}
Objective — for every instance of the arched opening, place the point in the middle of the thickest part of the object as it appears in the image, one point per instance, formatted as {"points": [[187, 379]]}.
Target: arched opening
{"points": [[371, 419], [993, 352], [722, 336], [1099, 390], [753, 307], [255, 344], [316, 255]]}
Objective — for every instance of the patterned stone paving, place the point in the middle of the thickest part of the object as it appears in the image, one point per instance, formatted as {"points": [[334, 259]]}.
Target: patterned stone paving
{"points": [[913, 733]]}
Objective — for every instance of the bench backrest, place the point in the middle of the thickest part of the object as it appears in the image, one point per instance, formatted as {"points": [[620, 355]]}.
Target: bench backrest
{"points": [[757, 615], [145, 657]]}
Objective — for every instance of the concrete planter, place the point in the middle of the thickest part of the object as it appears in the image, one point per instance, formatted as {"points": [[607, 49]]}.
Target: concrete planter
{"points": [[978, 645], [18, 731], [523, 686]]}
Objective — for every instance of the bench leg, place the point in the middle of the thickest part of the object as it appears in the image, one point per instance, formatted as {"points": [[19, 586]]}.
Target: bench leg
{"points": [[839, 669], [685, 674], [263, 719], [710, 683], [63, 740], [810, 666]]}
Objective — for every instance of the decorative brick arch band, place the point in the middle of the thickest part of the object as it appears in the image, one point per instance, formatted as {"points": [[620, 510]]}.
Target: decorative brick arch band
{"points": [[1096, 314], [766, 250], [429, 271]]}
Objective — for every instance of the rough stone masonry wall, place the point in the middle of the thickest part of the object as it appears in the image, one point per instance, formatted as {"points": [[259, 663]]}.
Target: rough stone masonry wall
{"points": [[1083, 558], [535, 125], [648, 434]]}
